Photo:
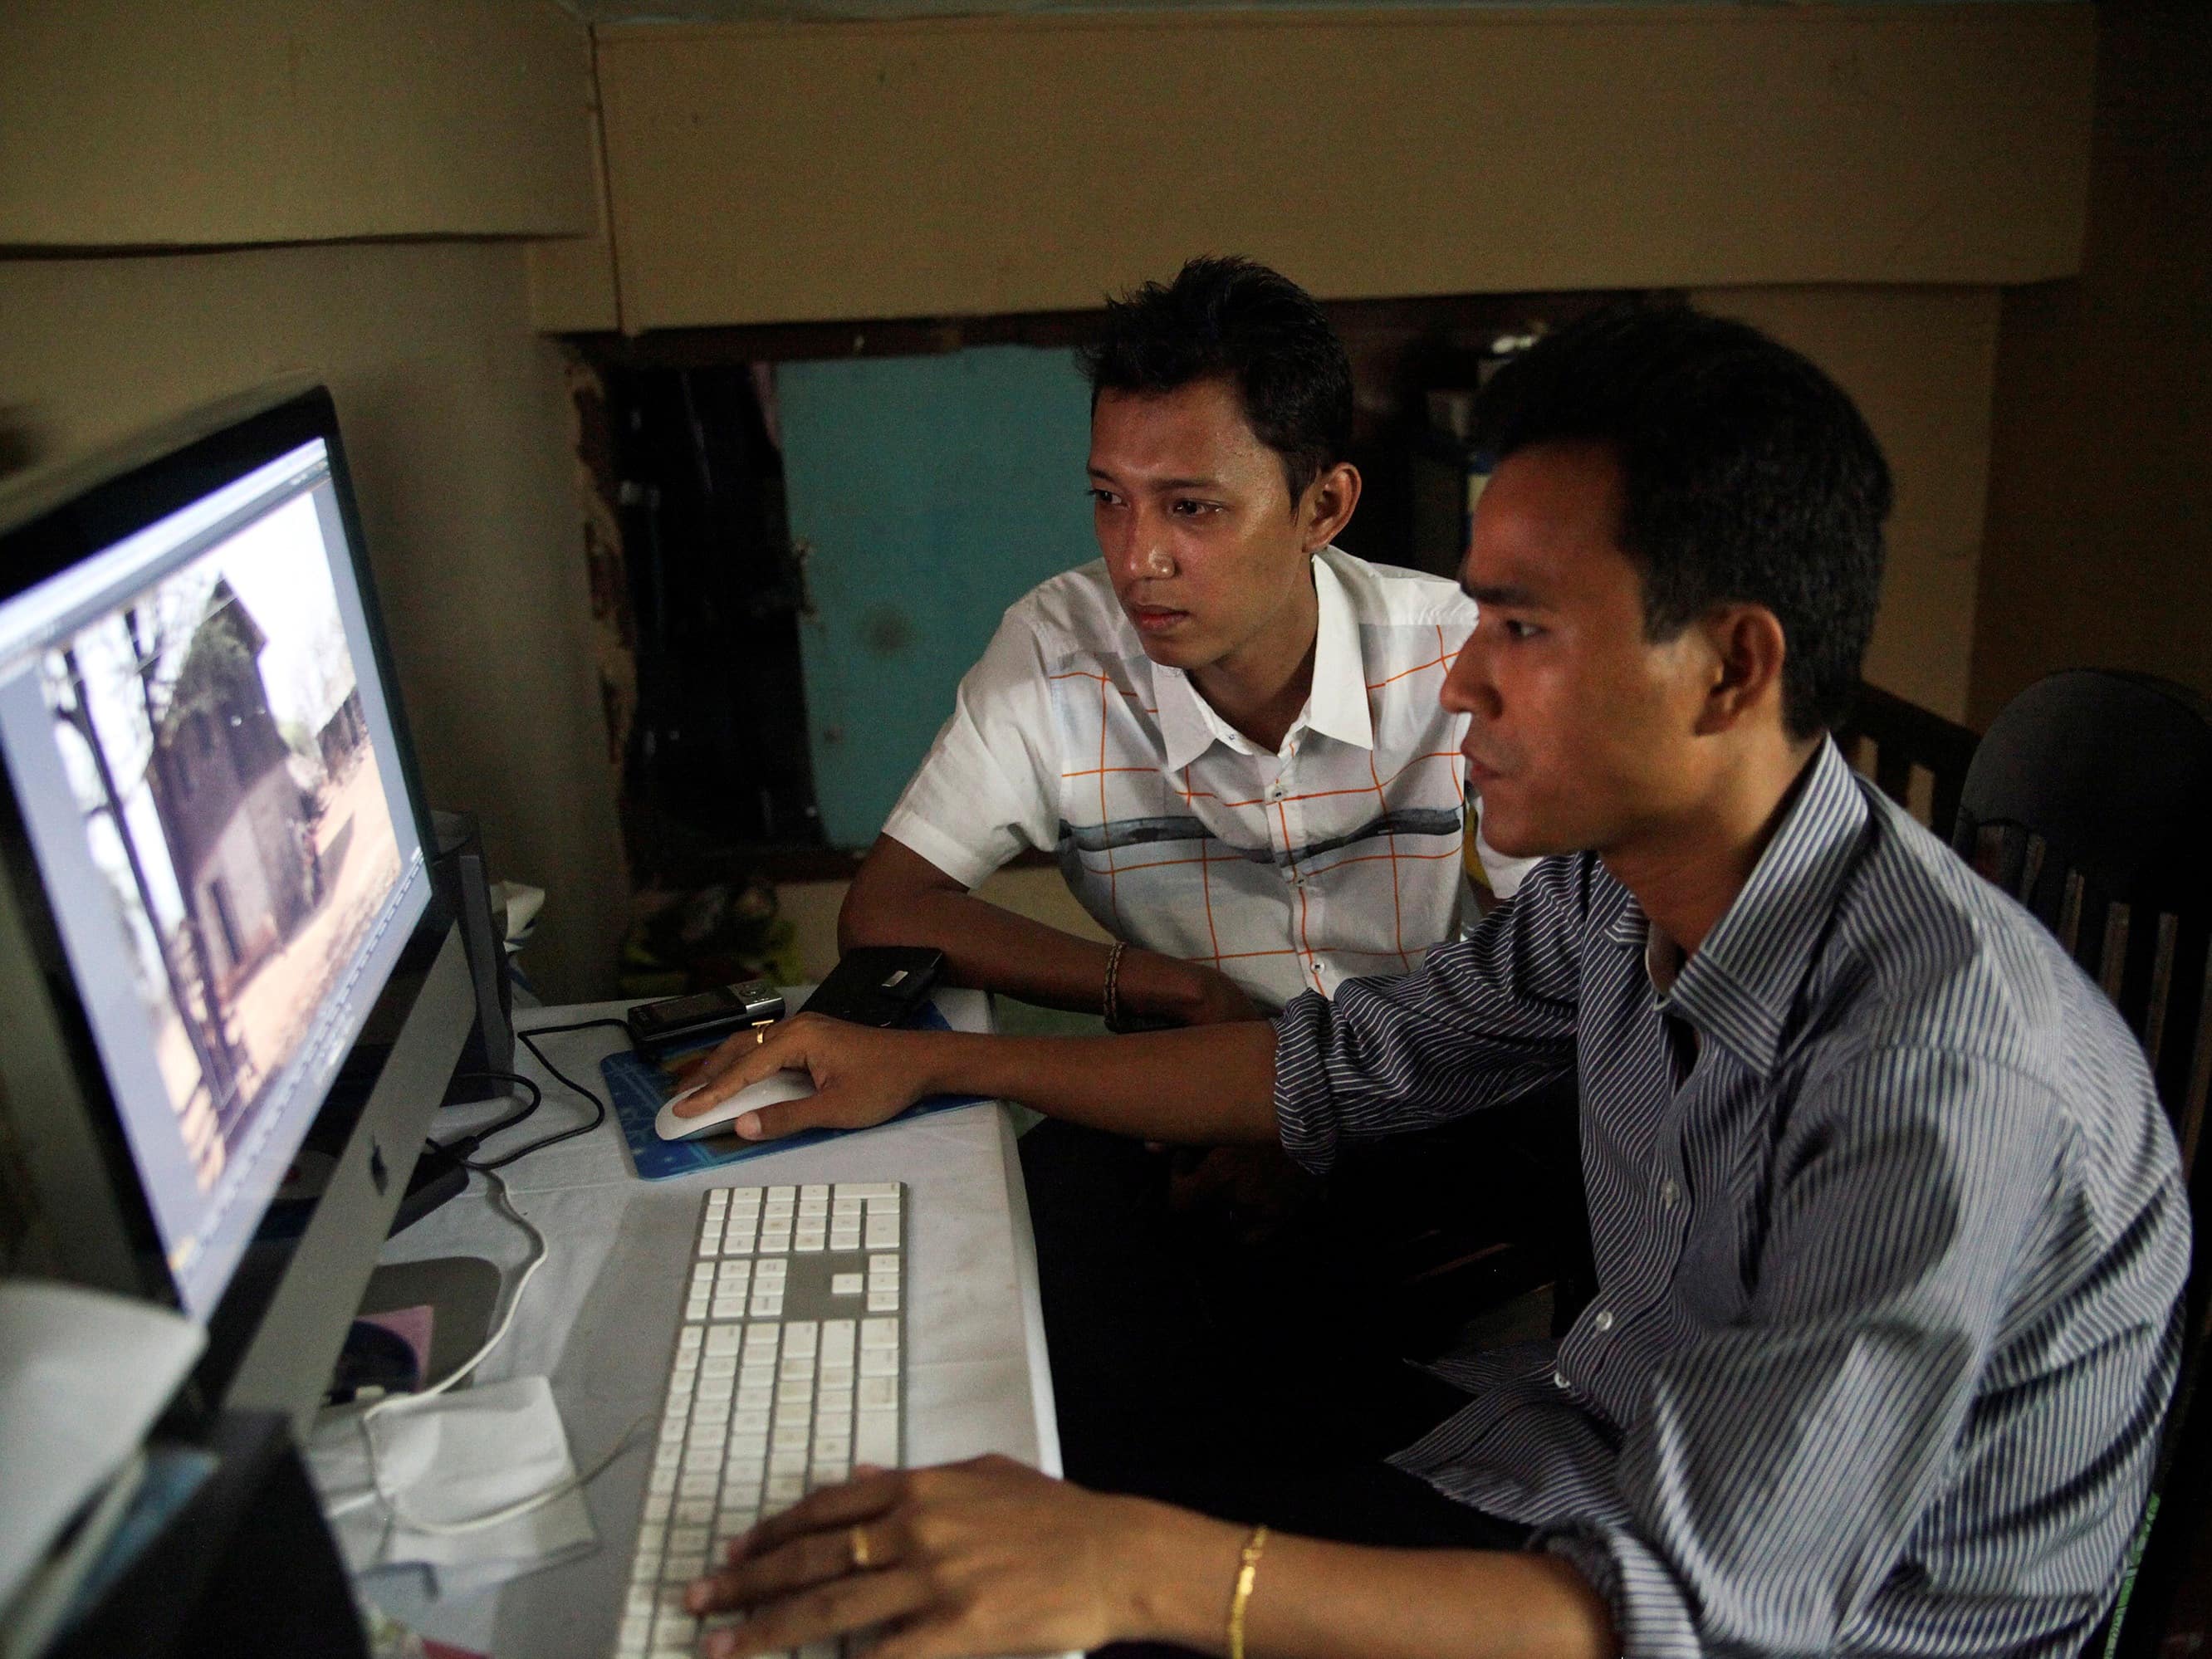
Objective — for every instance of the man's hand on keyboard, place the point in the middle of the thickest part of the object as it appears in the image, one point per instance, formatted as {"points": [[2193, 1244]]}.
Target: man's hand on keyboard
{"points": [[981, 1558], [861, 1077]]}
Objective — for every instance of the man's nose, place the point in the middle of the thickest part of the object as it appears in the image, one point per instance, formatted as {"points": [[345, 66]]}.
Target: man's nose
{"points": [[1138, 548], [1468, 688]]}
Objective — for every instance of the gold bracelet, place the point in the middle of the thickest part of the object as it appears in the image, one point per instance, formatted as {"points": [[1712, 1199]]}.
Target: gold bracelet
{"points": [[1247, 1568], [1112, 1010]]}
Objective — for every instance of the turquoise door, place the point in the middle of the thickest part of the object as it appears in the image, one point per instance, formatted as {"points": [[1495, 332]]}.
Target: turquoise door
{"points": [[926, 494]]}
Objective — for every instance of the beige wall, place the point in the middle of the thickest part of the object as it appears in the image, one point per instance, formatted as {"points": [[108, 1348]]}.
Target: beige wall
{"points": [[453, 414], [2100, 549], [780, 172], [126, 123]]}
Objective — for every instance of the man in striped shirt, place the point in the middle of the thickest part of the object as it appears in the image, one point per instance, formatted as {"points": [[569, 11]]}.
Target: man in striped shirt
{"points": [[1890, 1237]]}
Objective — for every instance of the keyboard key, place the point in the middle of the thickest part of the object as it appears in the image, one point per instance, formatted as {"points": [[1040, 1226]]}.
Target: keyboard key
{"points": [[845, 1284], [875, 1437]]}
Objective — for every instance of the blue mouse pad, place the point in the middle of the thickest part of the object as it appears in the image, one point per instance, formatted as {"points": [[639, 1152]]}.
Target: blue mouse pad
{"points": [[638, 1086]]}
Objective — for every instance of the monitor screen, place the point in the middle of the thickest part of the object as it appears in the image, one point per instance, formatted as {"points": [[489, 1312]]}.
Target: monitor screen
{"points": [[212, 782]]}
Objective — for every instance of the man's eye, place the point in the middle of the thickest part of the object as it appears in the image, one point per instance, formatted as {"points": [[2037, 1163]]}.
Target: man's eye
{"points": [[1103, 498], [1190, 509], [1517, 629]]}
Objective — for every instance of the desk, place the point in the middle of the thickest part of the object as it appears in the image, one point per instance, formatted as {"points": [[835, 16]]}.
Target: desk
{"points": [[600, 1317]]}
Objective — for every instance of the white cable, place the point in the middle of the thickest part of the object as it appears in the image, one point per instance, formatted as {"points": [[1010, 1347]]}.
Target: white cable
{"points": [[377, 1492]]}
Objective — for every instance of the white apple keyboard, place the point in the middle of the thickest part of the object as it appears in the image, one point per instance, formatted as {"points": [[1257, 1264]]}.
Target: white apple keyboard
{"points": [[771, 1090], [789, 1369]]}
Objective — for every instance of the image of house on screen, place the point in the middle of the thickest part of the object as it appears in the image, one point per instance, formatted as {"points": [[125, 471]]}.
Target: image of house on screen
{"points": [[239, 825]]}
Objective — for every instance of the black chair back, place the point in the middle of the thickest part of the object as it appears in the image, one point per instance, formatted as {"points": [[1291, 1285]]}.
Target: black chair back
{"points": [[2089, 801]]}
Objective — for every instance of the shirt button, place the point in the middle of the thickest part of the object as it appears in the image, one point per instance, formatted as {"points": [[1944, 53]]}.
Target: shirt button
{"points": [[1602, 1320], [1669, 1191], [1275, 791], [1559, 1380]]}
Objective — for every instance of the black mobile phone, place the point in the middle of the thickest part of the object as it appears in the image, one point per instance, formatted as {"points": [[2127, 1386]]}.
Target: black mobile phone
{"points": [[656, 1026], [881, 985]]}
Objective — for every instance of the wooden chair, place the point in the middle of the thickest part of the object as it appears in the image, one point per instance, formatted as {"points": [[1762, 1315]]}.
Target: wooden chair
{"points": [[2088, 800], [1919, 759]]}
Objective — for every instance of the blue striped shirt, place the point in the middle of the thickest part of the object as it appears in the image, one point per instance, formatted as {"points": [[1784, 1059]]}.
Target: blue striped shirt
{"points": [[1889, 1274]]}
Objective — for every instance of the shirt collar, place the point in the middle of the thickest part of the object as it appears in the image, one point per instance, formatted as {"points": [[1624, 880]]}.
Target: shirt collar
{"points": [[1739, 986], [1336, 705]]}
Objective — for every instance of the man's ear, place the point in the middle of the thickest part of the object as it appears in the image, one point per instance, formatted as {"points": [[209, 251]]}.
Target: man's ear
{"points": [[1748, 647], [1327, 505]]}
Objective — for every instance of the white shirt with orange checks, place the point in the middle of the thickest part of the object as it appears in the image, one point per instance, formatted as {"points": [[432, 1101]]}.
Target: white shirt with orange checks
{"points": [[1337, 855]]}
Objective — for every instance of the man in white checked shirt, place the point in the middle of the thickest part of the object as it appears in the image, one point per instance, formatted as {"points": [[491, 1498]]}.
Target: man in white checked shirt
{"points": [[1227, 730]]}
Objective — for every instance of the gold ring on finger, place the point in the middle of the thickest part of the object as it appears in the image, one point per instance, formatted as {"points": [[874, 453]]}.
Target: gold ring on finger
{"points": [[760, 1036], [857, 1539]]}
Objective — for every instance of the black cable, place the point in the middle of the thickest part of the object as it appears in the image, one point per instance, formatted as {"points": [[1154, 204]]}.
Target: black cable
{"points": [[598, 1106], [537, 1098], [461, 1146]]}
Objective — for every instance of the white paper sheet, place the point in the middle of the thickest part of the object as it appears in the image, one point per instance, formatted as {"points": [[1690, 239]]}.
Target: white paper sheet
{"points": [[83, 1375], [448, 1460]]}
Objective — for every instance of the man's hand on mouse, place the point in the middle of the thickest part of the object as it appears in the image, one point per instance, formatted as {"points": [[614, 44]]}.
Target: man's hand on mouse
{"points": [[861, 1077]]}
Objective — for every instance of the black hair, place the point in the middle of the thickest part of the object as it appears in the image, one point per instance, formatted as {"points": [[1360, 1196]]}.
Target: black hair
{"points": [[1224, 318], [1747, 476]]}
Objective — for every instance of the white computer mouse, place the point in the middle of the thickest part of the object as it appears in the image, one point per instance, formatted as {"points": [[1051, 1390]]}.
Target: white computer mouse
{"points": [[779, 1086]]}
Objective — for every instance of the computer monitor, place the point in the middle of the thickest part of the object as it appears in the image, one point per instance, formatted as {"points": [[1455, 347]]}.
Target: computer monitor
{"points": [[229, 999]]}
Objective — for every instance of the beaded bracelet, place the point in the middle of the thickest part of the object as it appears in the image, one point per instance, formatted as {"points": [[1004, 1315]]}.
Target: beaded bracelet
{"points": [[1113, 1005]]}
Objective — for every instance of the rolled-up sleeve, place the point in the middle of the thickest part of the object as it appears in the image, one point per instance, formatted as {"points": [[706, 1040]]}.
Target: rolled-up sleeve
{"points": [[988, 788], [1483, 1021]]}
